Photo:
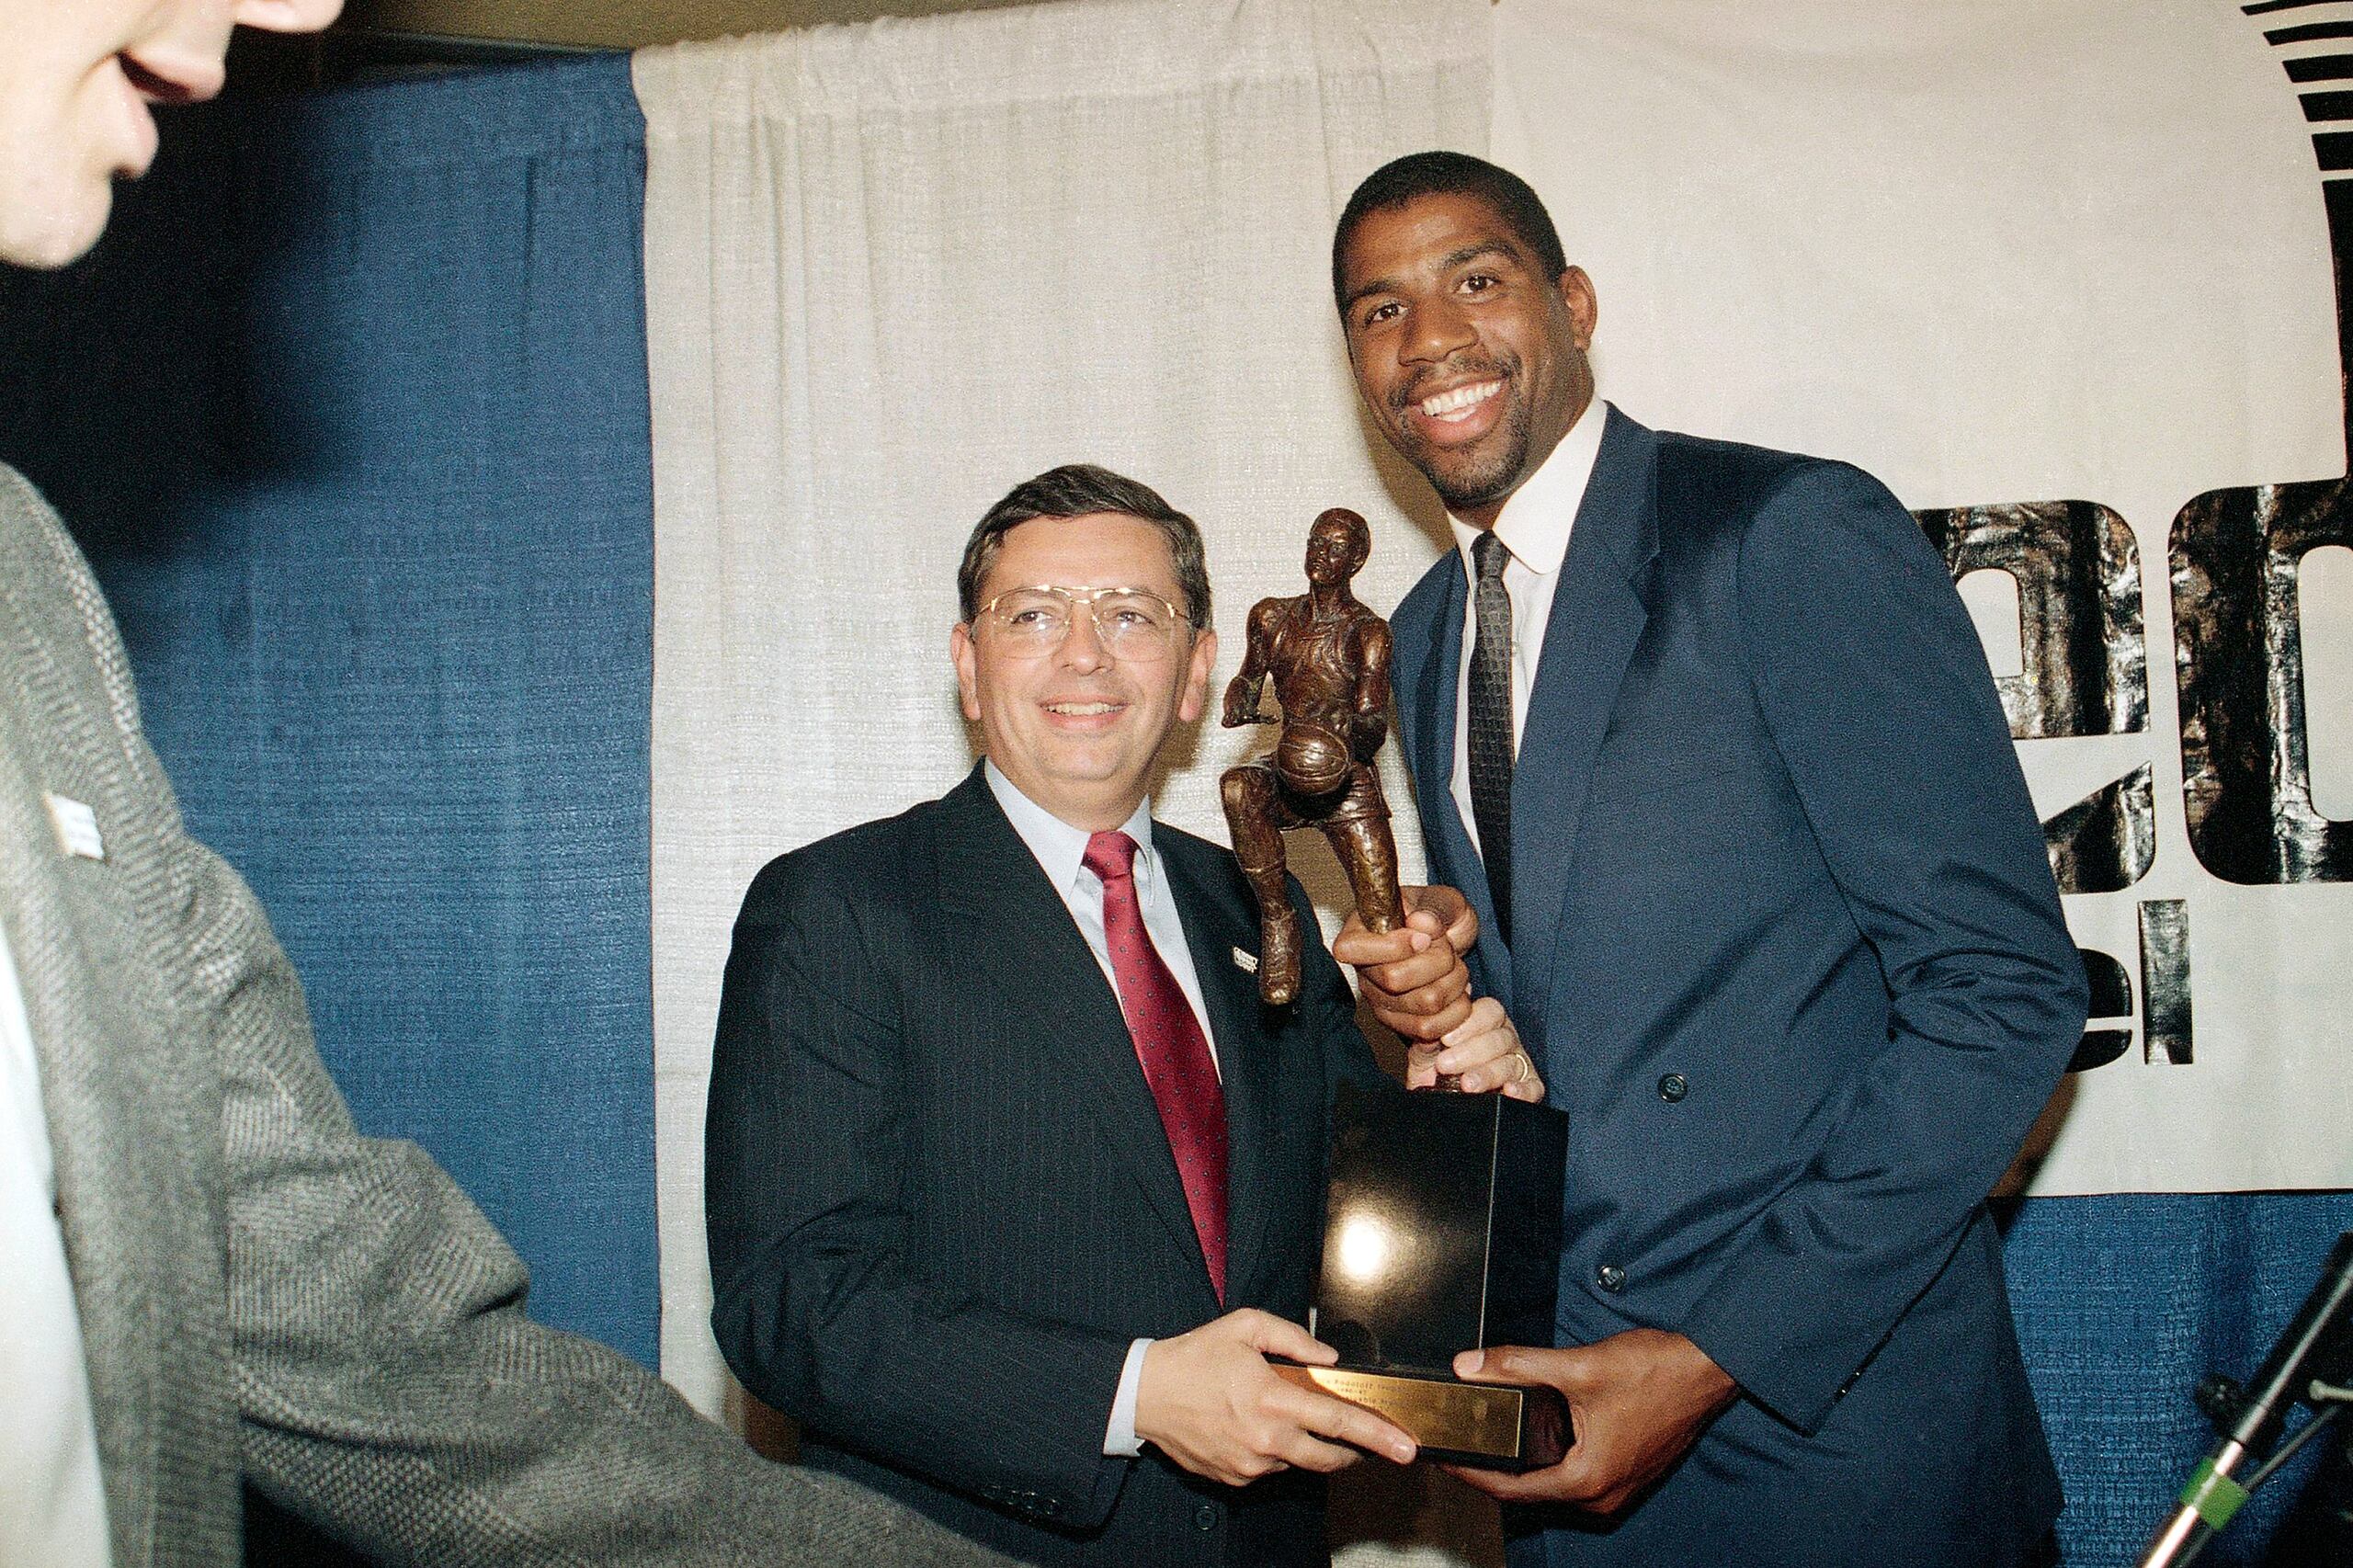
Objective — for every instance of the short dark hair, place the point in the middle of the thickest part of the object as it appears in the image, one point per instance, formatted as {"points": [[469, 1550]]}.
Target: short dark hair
{"points": [[1417, 174], [1079, 490]]}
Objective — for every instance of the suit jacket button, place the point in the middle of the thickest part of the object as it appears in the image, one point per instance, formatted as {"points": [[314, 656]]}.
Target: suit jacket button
{"points": [[1205, 1516], [1672, 1087], [1610, 1278]]}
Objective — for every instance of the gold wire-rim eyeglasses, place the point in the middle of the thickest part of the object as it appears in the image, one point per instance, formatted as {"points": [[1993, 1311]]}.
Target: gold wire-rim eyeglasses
{"points": [[1123, 639]]}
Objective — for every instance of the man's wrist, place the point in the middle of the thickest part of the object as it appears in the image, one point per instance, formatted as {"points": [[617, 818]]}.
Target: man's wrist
{"points": [[1120, 1439], [1705, 1371]]}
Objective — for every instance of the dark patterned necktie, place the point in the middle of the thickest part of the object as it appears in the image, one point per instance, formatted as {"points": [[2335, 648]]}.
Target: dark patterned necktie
{"points": [[1490, 724], [1170, 1045]]}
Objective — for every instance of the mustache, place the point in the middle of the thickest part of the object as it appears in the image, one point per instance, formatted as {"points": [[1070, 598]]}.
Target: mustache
{"points": [[1461, 368]]}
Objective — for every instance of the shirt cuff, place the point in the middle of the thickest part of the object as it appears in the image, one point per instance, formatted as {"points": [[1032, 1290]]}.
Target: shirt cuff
{"points": [[1120, 1439]]}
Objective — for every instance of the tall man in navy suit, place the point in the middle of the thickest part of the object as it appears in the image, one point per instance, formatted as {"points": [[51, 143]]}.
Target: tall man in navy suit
{"points": [[1708, 739]]}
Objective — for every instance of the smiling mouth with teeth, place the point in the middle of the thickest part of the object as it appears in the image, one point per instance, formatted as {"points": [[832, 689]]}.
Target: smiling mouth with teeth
{"points": [[1457, 404], [1083, 708]]}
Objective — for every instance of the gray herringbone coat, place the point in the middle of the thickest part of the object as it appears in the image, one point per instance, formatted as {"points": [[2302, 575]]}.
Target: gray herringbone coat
{"points": [[265, 1294]]}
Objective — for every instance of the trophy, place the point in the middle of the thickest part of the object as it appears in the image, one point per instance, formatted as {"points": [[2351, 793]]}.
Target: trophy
{"points": [[1442, 1232]]}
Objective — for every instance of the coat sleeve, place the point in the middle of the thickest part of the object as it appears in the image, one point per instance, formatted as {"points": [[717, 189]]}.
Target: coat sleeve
{"points": [[820, 1307], [1875, 689], [389, 1387]]}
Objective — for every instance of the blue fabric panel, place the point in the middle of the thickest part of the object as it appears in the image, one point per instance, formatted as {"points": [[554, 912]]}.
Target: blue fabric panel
{"points": [[2122, 1303], [349, 411]]}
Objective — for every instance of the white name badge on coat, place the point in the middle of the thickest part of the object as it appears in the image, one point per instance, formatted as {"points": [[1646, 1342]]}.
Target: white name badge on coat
{"points": [[77, 828]]}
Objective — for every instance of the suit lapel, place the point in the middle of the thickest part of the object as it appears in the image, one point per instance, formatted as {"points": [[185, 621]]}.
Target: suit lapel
{"points": [[1219, 922], [1005, 916], [1596, 617], [1432, 683]]}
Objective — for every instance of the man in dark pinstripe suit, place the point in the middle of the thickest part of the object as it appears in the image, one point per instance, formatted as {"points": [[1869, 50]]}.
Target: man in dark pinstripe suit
{"points": [[959, 1220]]}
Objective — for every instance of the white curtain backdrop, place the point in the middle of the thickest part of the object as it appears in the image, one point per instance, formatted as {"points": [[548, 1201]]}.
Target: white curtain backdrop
{"points": [[892, 270], [2014, 251]]}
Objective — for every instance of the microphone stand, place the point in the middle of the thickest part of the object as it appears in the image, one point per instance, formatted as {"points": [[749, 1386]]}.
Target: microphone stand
{"points": [[2308, 1364]]}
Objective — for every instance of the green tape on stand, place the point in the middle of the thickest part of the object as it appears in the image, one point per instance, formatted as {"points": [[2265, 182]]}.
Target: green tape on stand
{"points": [[2215, 1497]]}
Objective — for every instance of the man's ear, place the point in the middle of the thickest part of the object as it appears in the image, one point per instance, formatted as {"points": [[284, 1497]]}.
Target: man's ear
{"points": [[1196, 676], [1585, 310], [967, 660]]}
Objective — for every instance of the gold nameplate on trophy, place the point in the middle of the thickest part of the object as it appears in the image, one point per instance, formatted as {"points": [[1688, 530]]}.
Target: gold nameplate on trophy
{"points": [[1498, 1426]]}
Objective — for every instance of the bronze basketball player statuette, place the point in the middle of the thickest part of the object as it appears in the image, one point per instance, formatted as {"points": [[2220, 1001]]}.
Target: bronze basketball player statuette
{"points": [[1327, 657]]}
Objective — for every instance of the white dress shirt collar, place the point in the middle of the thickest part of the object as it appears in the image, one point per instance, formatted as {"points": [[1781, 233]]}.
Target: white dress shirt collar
{"points": [[1534, 528], [1535, 522], [1060, 847]]}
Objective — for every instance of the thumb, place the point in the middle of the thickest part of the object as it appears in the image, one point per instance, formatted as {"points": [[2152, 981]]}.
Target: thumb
{"points": [[1272, 1336], [1518, 1364]]}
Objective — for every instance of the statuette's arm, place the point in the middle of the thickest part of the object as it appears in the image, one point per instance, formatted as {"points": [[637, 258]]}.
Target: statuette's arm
{"points": [[1370, 727], [1242, 692]]}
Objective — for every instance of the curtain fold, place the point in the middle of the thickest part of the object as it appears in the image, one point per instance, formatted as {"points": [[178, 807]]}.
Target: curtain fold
{"points": [[348, 411]]}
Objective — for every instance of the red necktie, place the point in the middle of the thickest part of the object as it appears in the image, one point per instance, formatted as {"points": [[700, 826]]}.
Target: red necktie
{"points": [[1169, 1042]]}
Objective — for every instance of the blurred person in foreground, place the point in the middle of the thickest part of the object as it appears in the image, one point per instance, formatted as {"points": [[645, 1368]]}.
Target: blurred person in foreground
{"points": [[211, 1278]]}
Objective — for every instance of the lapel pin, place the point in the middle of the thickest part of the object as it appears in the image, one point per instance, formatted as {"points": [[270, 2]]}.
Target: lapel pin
{"points": [[77, 828], [1247, 962]]}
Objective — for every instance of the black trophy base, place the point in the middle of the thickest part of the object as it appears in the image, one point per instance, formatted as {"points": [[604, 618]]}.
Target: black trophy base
{"points": [[1443, 1228], [1510, 1427]]}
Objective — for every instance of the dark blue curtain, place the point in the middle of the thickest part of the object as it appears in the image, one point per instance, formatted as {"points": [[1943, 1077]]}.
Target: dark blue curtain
{"points": [[349, 412]]}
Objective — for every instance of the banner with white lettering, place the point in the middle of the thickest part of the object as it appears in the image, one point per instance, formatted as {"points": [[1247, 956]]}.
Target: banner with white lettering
{"points": [[2059, 271]]}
